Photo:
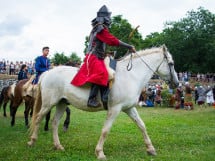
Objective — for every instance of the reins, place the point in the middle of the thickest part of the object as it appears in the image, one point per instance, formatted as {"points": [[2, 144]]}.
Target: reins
{"points": [[130, 65]]}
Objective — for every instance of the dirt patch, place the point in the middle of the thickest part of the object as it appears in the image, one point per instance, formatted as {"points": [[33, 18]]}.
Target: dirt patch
{"points": [[5, 76]]}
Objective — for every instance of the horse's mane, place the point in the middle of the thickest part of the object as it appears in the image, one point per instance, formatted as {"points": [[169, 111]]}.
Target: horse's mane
{"points": [[141, 53]]}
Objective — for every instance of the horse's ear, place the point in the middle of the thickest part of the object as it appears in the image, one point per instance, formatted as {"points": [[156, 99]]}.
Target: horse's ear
{"points": [[164, 48]]}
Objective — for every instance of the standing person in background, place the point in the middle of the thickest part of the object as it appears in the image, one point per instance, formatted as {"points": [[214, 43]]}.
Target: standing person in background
{"points": [[7, 67], [209, 96], [23, 73], [42, 64], [17, 67], [196, 94], [178, 96], [30, 68], [12, 68]]}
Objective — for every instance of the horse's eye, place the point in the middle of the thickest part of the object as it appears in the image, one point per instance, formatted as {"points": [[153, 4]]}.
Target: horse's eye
{"points": [[171, 63]]}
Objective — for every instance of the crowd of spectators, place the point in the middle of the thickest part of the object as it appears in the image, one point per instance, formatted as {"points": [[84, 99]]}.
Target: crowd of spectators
{"points": [[200, 77], [13, 68], [185, 96]]}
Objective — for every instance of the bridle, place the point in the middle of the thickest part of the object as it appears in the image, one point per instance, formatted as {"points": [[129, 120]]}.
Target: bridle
{"points": [[130, 65]]}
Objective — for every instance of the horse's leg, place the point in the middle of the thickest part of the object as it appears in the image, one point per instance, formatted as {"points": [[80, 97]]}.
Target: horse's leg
{"points": [[31, 112], [46, 127], [133, 114], [15, 104], [111, 116], [14, 109], [4, 107], [43, 111], [60, 109], [26, 112], [67, 121], [11, 102]]}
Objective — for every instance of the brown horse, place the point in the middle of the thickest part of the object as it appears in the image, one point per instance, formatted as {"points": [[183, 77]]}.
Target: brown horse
{"points": [[5, 97], [19, 96], [18, 99]]}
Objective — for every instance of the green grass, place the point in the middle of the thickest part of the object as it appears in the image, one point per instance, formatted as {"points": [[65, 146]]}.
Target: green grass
{"points": [[177, 135]]}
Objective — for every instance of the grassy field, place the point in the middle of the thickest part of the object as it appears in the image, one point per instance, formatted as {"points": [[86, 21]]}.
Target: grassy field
{"points": [[177, 135]]}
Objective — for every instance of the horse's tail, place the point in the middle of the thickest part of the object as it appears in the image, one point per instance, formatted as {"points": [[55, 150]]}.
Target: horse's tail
{"points": [[36, 108], [2, 97]]}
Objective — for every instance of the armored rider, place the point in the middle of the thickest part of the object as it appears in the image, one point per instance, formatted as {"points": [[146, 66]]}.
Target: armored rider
{"points": [[93, 69]]}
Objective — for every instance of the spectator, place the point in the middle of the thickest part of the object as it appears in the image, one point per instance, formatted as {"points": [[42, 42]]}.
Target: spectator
{"points": [[158, 98], [198, 77], [209, 96], [30, 68], [22, 73], [12, 69], [188, 97], [7, 67], [17, 67], [196, 94], [178, 96], [201, 92]]}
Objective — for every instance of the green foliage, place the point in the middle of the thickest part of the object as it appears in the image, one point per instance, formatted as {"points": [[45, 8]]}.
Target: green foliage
{"points": [[74, 58], [61, 58], [176, 135], [191, 40], [121, 29]]}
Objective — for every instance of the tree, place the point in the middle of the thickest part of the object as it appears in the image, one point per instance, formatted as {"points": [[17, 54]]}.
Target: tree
{"points": [[59, 58], [74, 58], [121, 28], [62, 59], [191, 41]]}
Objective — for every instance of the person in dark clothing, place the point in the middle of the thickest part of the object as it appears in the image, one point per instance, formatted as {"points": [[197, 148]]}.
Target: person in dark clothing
{"points": [[22, 73]]}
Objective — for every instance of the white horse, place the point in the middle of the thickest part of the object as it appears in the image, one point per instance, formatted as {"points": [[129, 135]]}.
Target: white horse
{"points": [[55, 89]]}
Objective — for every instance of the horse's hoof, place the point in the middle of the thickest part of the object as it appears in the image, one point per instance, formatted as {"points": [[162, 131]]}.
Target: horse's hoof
{"points": [[102, 157], [46, 129], [30, 143], [59, 147], [152, 152]]}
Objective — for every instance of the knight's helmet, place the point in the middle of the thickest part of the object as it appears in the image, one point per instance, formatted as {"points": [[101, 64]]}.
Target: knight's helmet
{"points": [[103, 17]]}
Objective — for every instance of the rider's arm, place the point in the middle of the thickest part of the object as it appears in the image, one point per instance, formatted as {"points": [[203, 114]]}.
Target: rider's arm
{"points": [[111, 40]]}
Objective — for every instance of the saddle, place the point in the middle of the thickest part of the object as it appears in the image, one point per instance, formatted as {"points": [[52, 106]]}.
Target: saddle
{"points": [[110, 64], [30, 89]]}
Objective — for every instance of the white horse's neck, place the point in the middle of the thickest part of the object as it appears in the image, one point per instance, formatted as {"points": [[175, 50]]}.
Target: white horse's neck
{"points": [[130, 83]]}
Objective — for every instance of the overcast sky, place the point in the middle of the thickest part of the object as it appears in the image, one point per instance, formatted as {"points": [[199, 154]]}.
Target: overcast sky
{"points": [[26, 25]]}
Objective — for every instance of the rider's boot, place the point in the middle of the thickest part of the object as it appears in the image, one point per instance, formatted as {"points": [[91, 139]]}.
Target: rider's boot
{"points": [[92, 101]]}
